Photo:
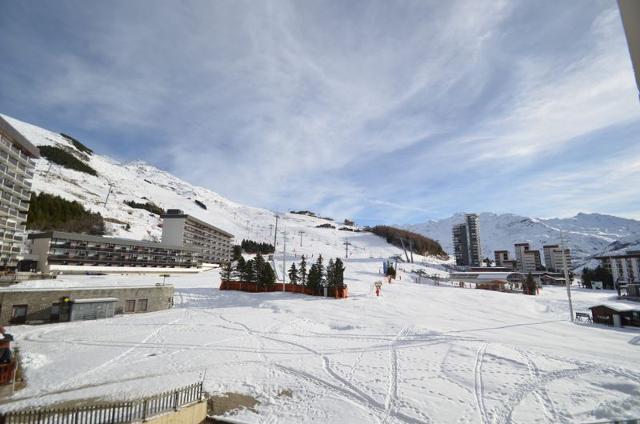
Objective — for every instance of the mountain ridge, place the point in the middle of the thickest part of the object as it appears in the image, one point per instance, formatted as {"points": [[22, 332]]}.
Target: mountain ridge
{"points": [[587, 234]]}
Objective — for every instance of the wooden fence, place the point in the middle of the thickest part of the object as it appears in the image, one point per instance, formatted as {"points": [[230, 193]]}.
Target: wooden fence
{"points": [[115, 413], [337, 292]]}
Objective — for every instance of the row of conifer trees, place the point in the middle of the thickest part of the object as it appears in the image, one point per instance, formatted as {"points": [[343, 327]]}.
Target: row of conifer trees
{"points": [[258, 270], [318, 275]]}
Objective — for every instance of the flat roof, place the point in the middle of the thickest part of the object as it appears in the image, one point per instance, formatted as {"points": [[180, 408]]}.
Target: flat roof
{"points": [[113, 240], [618, 306], [199, 221], [17, 137], [12, 289], [96, 300], [634, 254], [483, 275]]}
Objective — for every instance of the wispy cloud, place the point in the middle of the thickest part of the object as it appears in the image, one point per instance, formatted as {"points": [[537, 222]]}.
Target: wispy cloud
{"points": [[390, 112]]}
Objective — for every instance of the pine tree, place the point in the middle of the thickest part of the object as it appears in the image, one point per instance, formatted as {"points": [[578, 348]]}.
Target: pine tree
{"points": [[331, 274], [268, 275], [339, 272], [250, 272], [530, 285], [313, 279], [237, 253], [391, 271], [227, 270], [239, 269], [321, 271], [302, 272], [293, 274], [259, 267]]}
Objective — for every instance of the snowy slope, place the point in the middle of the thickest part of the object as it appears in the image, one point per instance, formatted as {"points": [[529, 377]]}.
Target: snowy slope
{"points": [[142, 182], [586, 234]]}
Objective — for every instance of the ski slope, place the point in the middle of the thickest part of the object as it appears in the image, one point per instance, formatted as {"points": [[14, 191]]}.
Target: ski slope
{"points": [[417, 354]]}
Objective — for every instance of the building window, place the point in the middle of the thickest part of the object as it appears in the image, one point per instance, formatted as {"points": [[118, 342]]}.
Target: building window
{"points": [[130, 306], [142, 305], [19, 314]]}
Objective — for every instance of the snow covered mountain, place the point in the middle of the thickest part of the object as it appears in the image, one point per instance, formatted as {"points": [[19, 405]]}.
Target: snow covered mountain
{"points": [[137, 181], [586, 234]]}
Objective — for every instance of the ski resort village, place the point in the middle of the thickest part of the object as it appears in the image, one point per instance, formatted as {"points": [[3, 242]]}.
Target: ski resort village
{"points": [[128, 284], [319, 212]]}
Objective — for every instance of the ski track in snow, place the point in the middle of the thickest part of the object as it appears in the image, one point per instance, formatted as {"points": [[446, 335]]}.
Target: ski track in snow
{"points": [[479, 385], [358, 366]]}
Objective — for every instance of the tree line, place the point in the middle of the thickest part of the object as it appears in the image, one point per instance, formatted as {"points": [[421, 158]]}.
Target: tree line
{"points": [[77, 144], [149, 206], [412, 241], [600, 273], [319, 275], [250, 246], [48, 212], [257, 270], [66, 159]]}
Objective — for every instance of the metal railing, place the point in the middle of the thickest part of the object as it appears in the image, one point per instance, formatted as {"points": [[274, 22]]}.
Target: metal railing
{"points": [[111, 413]]}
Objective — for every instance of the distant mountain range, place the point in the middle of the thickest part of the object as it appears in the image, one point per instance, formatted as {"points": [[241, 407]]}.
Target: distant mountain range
{"points": [[587, 235]]}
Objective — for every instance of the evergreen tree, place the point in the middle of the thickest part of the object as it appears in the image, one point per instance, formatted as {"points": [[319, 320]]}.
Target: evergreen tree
{"points": [[260, 268], [302, 272], [250, 272], [331, 274], [239, 272], [227, 271], [339, 272], [530, 285], [237, 253], [293, 274], [313, 279], [268, 275], [321, 270], [391, 271]]}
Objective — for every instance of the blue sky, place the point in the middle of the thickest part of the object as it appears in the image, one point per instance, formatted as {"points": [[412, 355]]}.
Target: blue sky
{"points": [[392, 112]]}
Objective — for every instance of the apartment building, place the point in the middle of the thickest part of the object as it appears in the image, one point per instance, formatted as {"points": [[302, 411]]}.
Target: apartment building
{"points": [[461, 245], [17, 163], [180, 229], [80, 253], [531, 261], [520, 248], [553, 258], [625, 268], [501, 256], [466, 241]]}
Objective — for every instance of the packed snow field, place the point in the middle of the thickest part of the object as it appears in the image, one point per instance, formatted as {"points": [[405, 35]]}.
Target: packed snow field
{"points": [[417, 354]]}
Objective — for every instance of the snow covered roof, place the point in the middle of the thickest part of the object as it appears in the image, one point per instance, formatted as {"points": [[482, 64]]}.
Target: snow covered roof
{"points": [[17, 288], [17, 137], [96, 300], [619, 306], [481, 275]]}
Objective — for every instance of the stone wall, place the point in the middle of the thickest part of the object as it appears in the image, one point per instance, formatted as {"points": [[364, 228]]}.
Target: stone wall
{"points": [[40, 301]]}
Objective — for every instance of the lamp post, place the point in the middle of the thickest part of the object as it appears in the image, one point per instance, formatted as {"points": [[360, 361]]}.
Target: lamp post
{"points": [[566, 274]]}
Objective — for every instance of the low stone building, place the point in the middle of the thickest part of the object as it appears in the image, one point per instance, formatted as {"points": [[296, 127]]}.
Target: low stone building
{"points": [[42, 305]]}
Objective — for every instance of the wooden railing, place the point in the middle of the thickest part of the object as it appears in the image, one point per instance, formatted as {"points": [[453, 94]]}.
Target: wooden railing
{"points": [[112, 413]]}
